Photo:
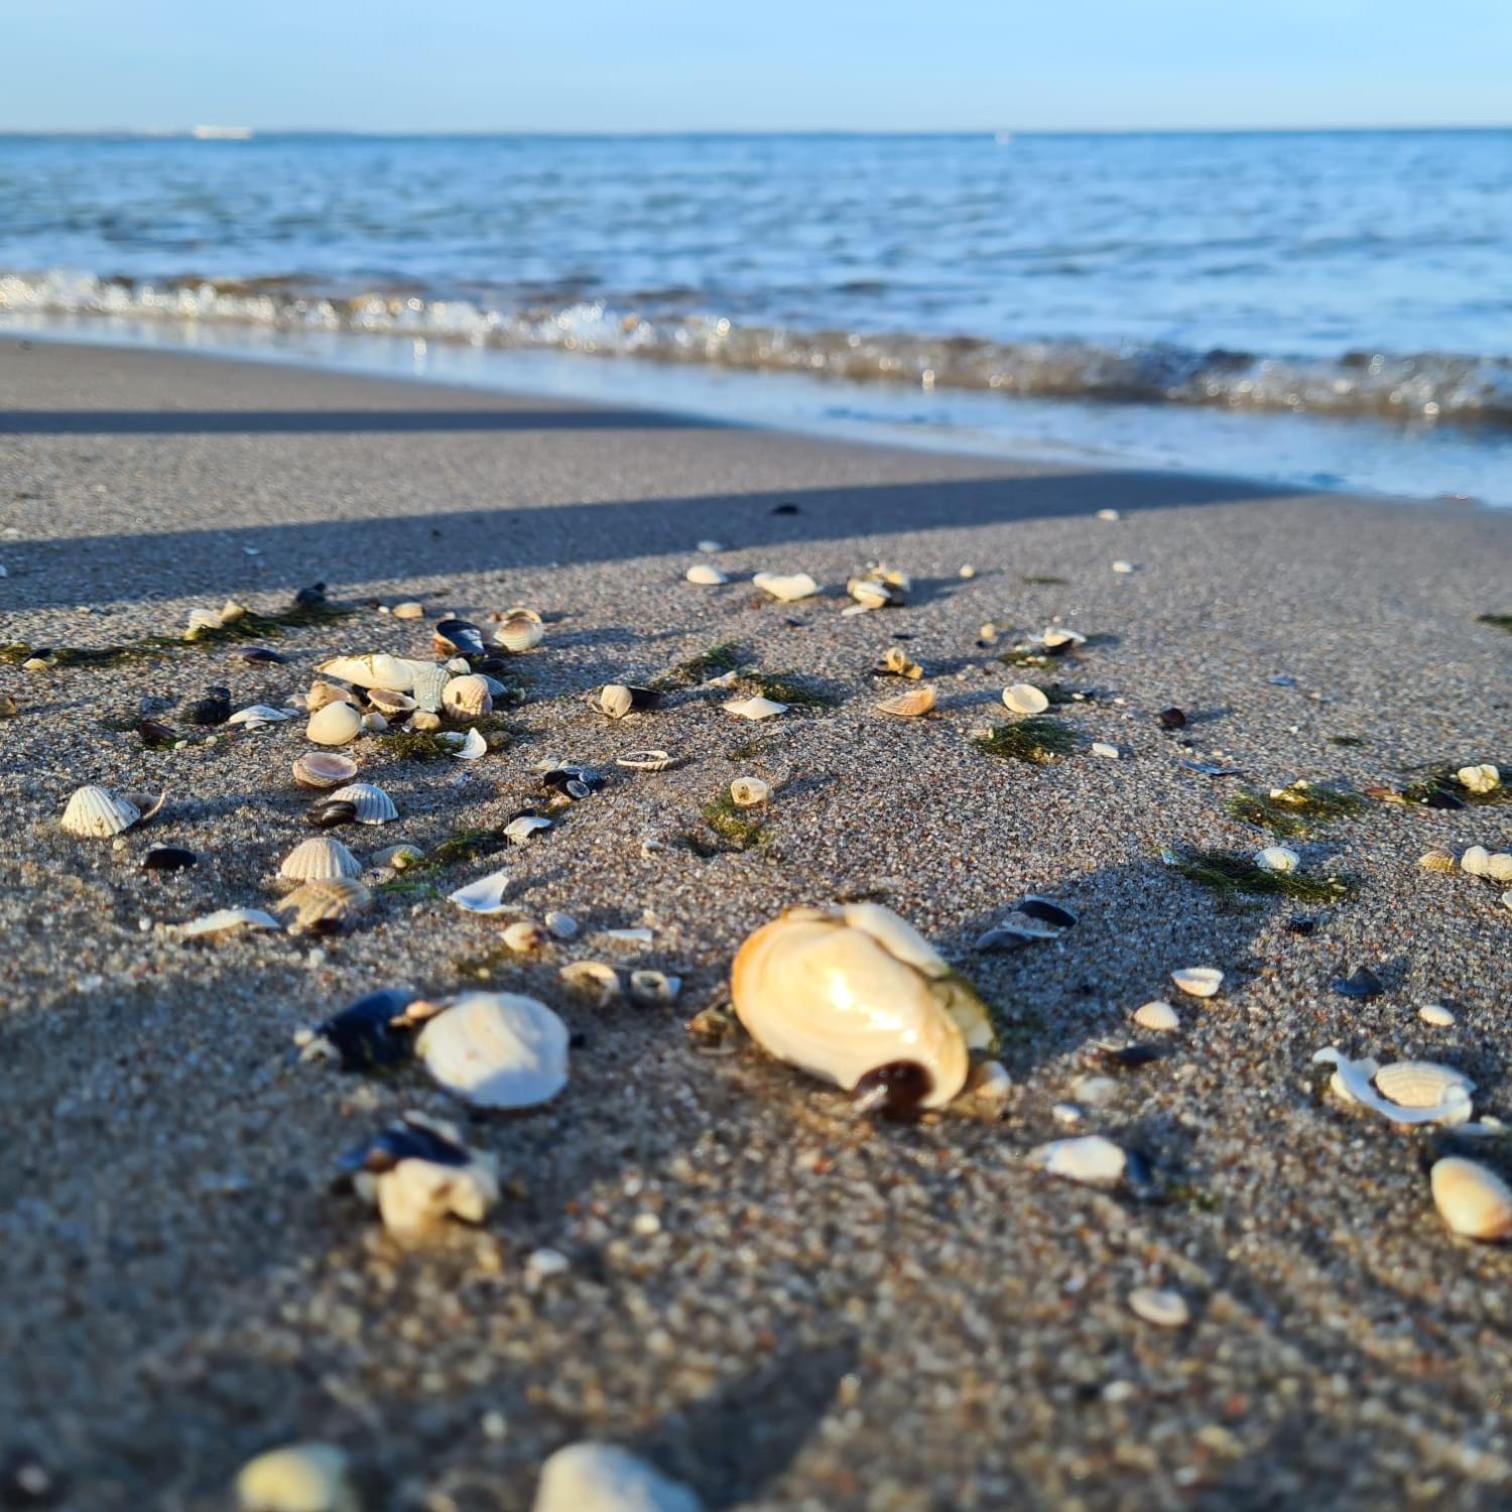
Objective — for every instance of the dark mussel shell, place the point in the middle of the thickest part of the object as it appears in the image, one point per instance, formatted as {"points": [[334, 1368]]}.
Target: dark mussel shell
{"points": [[893, 1091], [404, 1139], [1172, 719], [168, 858], [1442, 798], [153, 732], [213, 709], [313, 597], [1128, 1057], [373, 1031], [1047, 912], [460, 635], [574, 781], [1300, 924], [331, 812], [257, 654], [1363, 983]]}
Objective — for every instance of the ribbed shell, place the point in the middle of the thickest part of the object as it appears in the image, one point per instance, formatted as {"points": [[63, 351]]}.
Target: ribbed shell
{"points": [[320, 769], [1419, 1084], [318, 860], [325, 904], [469, 696], [909, 705], [373, 805], [428, 685], [519, 633], [496, 1050], [755, 708], [96, 813]]}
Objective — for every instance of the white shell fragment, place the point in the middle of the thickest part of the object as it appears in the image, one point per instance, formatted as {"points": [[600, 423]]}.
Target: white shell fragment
{"points": [[255, 716], [1277, 858], [1123, 568], [1436, 1015], [1103, 749], [910, 705], [1158, 1015], [485, 896], [421, 1173], [1165, 1309], [496, 1050], [1499, 866], [518, 831], [613, 700], [1198, 981], [789, 589], [224, 921], [1107, 514], [335, 724], [842, 992], [560, 926], [705, 575], [1025, 698], [373, 805], [376, 671], [95, 813], [1353, 1081], [756, 708], [471, 747], [1471, 1199], [1485, 778], [591, 1477], [596, 980], [319, 859], [1090, 1159], [749, 792], [296, 1478]]}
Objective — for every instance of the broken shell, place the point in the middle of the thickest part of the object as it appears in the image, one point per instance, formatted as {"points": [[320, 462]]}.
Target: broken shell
{"points": [[591, 1477], [1499, 867], [398, 857], [418, 1172], [256, 715], [1025, 698], [374, 723], [519, 631], [841, 992], [387, 701], [1089, 1159], [496, 1050], [654, 987], [485, 896], [1165, 1309], [1277, 858], [322, 693], [519, 830], [1157, 1015], [1057, 640], [450, 636], [1353, 1082], [1484, 778], [897, 663], [1437, 860], [614, 700], [318, 860], [376, 671], [1123, 567], [224, 921], [748, 792], [524, 937], [910, 705], [428, 685], [325, 906], [467, 696], [327, 813], [593, 979], [96, 813], [471, 747], [755, 708], [410, 609], [990, 1081], [1476, 861], [335, 724], [788, 589], [1437, 1015], [373, 805], [1198, 981], [1471, 1198], [705, 575], [1420, 1084], [317, 769], [561, 926], [1102, 748], [645, 761], [201, 620], [375, 1031], [296, 1478]]}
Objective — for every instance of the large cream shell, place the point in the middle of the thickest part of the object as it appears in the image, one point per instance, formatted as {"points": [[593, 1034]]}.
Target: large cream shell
{"points": [[496, 1050], [373, 805], [519, 632], [1025, 698], [334, 724], [296, 1478], [468, 696], [1420, 1084], [319, 859], [824, 992], [591, 1477], [95, 813], [376, 671], [1472, 1199]]}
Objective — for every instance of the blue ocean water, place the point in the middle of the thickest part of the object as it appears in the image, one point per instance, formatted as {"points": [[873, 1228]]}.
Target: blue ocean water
{"points": [[1329, 307]]}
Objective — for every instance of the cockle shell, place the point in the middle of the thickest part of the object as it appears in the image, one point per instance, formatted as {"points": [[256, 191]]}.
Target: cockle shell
{"points": [[319, 769], [319, 859], [1353, 1081], [1157, 1015], [496, 1050], [409, 609], [705, 575], [787, 590], [755, 708], [387, 701], [419, 1172], [909, 705], [325, 906], [1471, 1198], [398, 857], [1277, 858], [1420, 1084], [96, 813], [1198, 981], [201, 620], [296, 1478], [614, 700], [1025, 698], [645, 761], [592, 1477], [335, 724], [749, 792], [373, 805], [428, 685], [844, 992], [468, 696], [1484, 778], [593, 979], [1089, 1159], [519, 631], [1437, 860], [378, 670]]}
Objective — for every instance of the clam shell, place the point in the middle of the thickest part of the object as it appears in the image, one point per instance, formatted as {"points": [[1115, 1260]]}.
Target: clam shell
{"points": [[705, 575], [748, 792], [1471, 1198], [449, 636], [519, 632], [897, 663], [319, 859], [96, 813], [1353, 1082], [321, 769], [909, 705], [1277, 858], [524, 937], [614, 700], [419, 1172], [224, 921], [1157, 1015], [1437, 860], [322, 693], [1089, 1159], [593, 979], [1165, 1309], [485, 896], [1025, 698], [378, 670], [335, 724], [786, 589], [424, 721], [1198, 981], [595, 1477], [409, 609], [1476, 861], [428, 685], [755, 708], [1420, 1084], [296, 1478], [468, 696], [256, 715], [373, 805], [496, 1050], [1057, 639], [201, 620], [387, 701]]}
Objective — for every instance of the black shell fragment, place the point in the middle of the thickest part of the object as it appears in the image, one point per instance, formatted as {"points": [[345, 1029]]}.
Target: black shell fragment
{"points": [[1363, 983], [405, 1139], [373, 1031], [1047, 912], [333, 811], [168, 858], [257, 654], [574, 781], [893, 1091], [461, 635], [1171, 719], [213, 709]]}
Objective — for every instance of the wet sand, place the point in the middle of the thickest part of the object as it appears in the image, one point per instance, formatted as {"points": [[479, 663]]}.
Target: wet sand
{"points": [[823, 1313]]}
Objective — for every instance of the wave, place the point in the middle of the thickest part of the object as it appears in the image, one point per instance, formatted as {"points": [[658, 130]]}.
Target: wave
{"points": [[1424, 386]]}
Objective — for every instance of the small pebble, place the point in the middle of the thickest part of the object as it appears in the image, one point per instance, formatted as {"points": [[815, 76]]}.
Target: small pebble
{"points": [[1165, 1309], [542, 1264], [1437, 1015], [1123, 567], [1108, 514], [968, 571], [1102, 748]]}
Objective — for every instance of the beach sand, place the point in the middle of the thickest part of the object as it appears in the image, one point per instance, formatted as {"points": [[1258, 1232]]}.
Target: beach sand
{"points": [[778, 1303]]}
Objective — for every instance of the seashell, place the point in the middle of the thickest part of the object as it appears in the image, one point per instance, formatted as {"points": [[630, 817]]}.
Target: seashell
{"points": [[1437, 860], [410, 609], [96, 813], [748, 792], [524, 937], [654, 987], [1165, 1309], [375, 1031], [387, 701], [645, 761], [1157, 1015], [1089, 1159], [755, 708], [1420, 1084], [1471, 1198], [1102, 748], [257, 715], [787, 590], [593, 1477], [614, 700], [990, 1082], [843, 992], [326, 905], [1484, 778], [909, 705], [1437, 1015], [468, 697], [458, 666], [1499, 867], [521, 630], [297, 1478], [593, 979], [705, 576], [329, 812], [398, 857], [373, 805], [485, 896], [1107, 514], [322, 693], [571, 782], [870, 594], [1353, 1082], [520, 829], [378, 670], [418, 1172], [470, 747], [318, 769], [374, 724], [636, 936], [1057, 640], [1277, 858], [335, 724], [1476, 862], [424, 721], [1363, 983], [1025, 698], [897, 664], [1123, 567], [427, 685], [561, 926], [496, 1050], [224, 921], [318, 860], [201, 620], [1198, 981], [451, 636]]}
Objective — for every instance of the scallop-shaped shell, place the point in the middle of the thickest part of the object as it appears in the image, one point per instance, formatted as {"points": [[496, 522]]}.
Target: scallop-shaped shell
{"points": [[595, 1477], [373, 805], [1089, 1159], [755, 708], [1437, 860], [325, 905], [96, 813], [1471, 1198], [840, 993], [1420, 1084], [496, 1050], [428, 685], [1277, 858], [409, 609], [322, 769], [335, 724], [705, 575], [1198, 981], [593, 979], [1025, 698], [909, 705], [1159, 1016], [786, 589], [296, 1478], [201, 620], [519, 632], [749, 792], [319, 859], [378, 670], [468, 696], [614, 700]]}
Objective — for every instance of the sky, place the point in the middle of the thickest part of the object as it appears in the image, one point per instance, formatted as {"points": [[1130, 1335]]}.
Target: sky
{"points": [[753, 65]]}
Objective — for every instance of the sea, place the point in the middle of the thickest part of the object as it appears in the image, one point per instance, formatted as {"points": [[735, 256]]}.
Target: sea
{"points": [[1321, 309]]}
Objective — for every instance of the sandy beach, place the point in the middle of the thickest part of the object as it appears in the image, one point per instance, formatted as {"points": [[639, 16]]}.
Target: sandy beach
{"points": [[777, 1302]]}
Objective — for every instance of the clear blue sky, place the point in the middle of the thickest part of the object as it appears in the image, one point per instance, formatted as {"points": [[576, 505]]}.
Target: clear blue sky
{"points": [[670, 65]]}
